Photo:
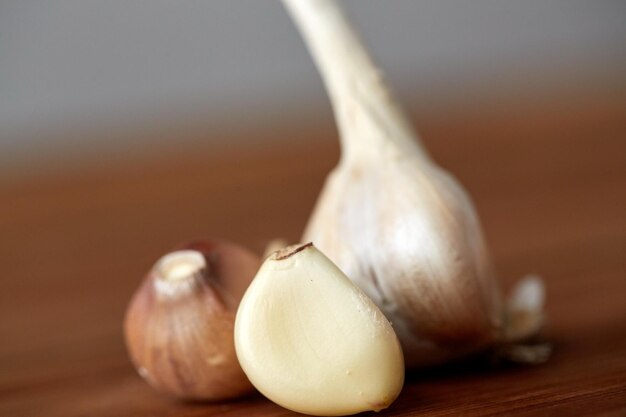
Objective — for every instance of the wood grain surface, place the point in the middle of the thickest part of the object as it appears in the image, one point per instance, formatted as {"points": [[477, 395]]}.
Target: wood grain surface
{"points": [[548, 178]]}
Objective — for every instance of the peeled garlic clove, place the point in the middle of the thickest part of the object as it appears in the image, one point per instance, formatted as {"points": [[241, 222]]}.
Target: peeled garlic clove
{"points": [[312, 342], [399, 226], [179, 324]]}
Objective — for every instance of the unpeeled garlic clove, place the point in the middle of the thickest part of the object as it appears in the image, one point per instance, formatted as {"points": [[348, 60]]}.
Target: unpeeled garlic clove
{"points": [[398, 225], [312, 342], [179, 324], [525, 309]]}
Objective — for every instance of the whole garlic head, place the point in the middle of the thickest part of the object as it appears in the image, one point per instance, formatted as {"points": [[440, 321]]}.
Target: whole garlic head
{"points": [[398, 225]]}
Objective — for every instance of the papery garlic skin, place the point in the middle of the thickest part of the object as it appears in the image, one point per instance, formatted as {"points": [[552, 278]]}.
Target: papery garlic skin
{"points": [[398, 225], [311, 341], [417, 253]]}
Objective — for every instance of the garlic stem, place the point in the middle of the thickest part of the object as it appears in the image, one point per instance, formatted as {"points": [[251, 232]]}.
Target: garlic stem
{"points": [[367, 114]]}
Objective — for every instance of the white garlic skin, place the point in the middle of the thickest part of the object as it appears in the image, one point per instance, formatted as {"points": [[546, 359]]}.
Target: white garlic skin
{"points": [[405, 232]]}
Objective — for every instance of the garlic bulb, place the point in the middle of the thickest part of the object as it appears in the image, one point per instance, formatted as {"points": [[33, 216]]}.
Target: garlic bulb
{"points": [[398, 225], [179, 324], [312, 342]]}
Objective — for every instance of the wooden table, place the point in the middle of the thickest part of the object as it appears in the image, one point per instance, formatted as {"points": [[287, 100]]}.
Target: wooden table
{"points": [[549, 180]]}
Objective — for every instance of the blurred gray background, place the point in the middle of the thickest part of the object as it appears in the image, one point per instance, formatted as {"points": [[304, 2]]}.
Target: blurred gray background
{"points": [[67, 65]]}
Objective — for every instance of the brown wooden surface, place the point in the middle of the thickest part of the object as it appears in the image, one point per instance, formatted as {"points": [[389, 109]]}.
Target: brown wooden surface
{"points": [[549, 181]]}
